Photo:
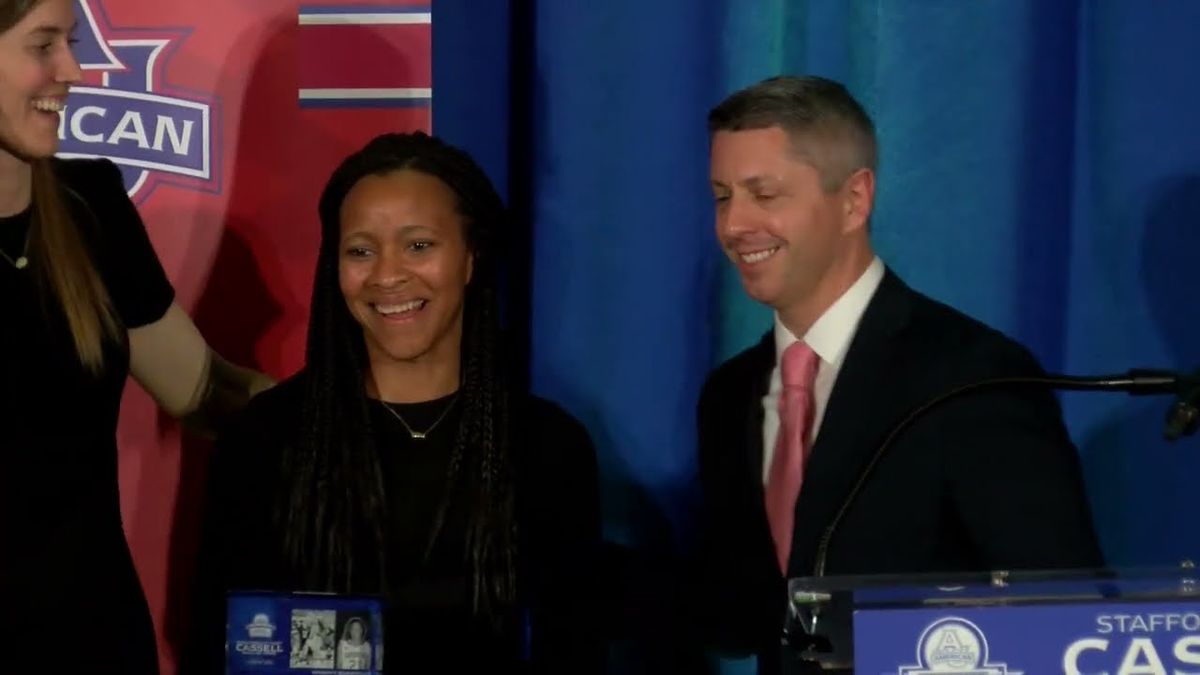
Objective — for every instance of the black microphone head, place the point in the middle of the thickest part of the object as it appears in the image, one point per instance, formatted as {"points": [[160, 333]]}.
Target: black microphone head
{"points": [[1182, 420]]}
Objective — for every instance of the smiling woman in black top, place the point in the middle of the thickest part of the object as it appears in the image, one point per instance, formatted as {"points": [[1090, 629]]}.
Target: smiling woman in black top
{"points": [[399, 461]]}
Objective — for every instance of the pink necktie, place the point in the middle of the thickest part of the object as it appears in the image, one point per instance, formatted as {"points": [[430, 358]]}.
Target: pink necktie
{"points": [[799, 369]]}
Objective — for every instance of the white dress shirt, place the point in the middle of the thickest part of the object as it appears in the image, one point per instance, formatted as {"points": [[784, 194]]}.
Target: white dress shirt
{"points": [[830, 338]]}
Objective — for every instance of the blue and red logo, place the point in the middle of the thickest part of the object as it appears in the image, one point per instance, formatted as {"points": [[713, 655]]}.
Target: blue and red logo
{"points": [[125, 111]]}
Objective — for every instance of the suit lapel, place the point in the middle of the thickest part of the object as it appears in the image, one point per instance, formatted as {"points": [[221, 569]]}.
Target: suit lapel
{"points": [[751, 389], [759, 382], [860, 411]]}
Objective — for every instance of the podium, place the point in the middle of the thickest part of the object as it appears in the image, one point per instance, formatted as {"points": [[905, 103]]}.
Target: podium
{"points": [[1078, 622]]}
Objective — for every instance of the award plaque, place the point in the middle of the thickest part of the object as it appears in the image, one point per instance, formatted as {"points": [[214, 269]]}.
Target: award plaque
{"points": [[303, 633]]}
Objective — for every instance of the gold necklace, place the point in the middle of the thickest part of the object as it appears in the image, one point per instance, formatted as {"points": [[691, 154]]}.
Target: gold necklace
{"points": [[420, 435], [21, 261]]}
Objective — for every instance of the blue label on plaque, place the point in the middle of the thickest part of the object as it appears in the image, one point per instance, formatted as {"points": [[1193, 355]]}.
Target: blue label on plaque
{"points": [[300, 633], [1076, 639]]}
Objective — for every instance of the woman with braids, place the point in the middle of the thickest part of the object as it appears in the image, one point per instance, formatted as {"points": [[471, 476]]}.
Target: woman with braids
{"points": [[399, 461], [83, 302]]}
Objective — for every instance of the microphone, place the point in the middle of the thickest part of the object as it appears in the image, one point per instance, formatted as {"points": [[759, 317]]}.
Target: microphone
{"points": [[1184, 414], [1182, 419]]}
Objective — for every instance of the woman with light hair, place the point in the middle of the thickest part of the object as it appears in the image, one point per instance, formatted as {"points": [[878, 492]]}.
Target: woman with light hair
{"points": [[84, 303]]}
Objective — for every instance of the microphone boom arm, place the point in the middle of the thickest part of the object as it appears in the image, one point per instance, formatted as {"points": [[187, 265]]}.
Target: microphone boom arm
{"points": [[1182, 419]]}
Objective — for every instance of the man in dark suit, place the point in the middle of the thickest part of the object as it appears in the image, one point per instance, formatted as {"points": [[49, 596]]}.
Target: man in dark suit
{"points": [[989, 480]]}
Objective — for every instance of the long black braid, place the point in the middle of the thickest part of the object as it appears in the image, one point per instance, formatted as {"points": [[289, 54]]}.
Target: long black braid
{"points": [[332, 509]]}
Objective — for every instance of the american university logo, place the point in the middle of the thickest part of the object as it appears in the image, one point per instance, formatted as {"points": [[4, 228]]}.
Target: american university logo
{"points": [[124, 111], [954, 646]]}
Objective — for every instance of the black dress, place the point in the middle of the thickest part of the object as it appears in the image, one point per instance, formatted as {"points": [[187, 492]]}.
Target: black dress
{"points": [[428, 623], [66, 575]]}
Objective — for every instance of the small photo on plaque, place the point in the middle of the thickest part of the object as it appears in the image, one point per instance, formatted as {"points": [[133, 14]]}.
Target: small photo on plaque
{"points": [[313, 638], [354, 640]]}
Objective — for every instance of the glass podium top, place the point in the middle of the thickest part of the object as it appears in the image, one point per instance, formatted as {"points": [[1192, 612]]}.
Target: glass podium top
{"points": [[1000, 586]]}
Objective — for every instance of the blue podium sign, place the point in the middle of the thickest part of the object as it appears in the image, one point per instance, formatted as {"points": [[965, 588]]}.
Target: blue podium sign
{"points": [[1087, 638], [294, 633]]}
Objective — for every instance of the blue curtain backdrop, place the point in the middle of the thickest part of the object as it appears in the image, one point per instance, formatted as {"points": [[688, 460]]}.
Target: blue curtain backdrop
{"points": [[1040, 171]]}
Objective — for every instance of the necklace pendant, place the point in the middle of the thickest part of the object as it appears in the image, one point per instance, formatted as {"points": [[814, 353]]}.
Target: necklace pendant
{"points": [[21, 263], [413, 433]]}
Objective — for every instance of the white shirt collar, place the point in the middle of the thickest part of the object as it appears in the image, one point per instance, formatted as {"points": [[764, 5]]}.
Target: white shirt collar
{"points": [[831, 334]]}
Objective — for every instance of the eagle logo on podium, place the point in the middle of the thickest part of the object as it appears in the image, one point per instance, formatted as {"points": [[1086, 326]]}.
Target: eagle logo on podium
{"points": [[954, 646], [124, 111]]}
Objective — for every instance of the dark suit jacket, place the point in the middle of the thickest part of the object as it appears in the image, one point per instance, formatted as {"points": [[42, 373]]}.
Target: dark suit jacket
{"points": [[987, 481]]}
